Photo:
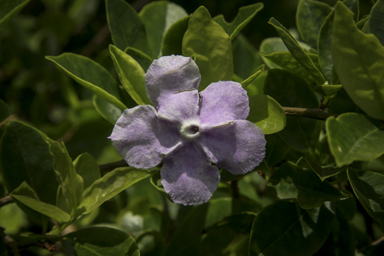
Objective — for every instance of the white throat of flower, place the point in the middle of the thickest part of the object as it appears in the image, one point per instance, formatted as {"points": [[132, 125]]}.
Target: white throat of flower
{"points": [[190, 129]]}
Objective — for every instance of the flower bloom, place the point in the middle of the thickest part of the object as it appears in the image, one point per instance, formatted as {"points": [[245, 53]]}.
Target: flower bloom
{"points": [[190, 130]]}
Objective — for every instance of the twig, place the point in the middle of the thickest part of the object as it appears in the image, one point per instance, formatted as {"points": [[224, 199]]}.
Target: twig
{"points": [[308, 112], [6, 200], [105, 168]]}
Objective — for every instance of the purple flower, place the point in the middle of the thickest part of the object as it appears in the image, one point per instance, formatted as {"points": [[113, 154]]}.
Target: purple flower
{"points": [[189, 130]]}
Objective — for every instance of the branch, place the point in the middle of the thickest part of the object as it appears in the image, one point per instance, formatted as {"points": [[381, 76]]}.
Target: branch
{"points": [[6, 200], [105, 168], [308, 112]]}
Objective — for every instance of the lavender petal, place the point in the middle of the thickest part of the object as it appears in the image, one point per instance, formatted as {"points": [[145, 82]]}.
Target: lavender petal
{"points": [[237, 146]]}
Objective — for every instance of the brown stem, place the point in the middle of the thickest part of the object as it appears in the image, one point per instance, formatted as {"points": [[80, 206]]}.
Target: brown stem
{"points": [[6, 200], [308, 112]]}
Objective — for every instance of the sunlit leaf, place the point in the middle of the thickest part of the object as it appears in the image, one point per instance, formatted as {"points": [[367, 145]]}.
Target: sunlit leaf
{"points": [[309, 18], [210, 46], [266, 113], [359, 61], [157, 18], [126, 27], [352, 137], [89, 74], [243, 17]]}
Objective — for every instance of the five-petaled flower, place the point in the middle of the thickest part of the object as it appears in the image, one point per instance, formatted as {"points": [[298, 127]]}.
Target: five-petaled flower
{"points": [[190, 130]]}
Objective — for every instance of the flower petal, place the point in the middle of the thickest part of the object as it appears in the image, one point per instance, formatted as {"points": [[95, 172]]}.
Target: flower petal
{"points": [[180, 106], [187, 175], [142, 138], [237, 146], [168, 75], [223, 101]]}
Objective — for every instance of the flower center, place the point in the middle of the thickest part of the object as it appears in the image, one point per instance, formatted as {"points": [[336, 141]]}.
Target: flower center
{"points": [[190, 130]]}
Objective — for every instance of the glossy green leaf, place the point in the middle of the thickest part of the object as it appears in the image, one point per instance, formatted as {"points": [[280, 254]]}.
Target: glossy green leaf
{"points": [[25, 157], [276, 149], [106, 109], [244, 16], [209, 44], [173, 38], [97, 241], [157, 18], [131, 75], [245, 57], [8, 8], [266, 113], [4, 111], [126, 27], [275, 44], [87, 167], [359, 61], [368, 188], [71, 183], [310, 17], [352, 137], [288, 62], [328, 89], [290, 90], [143, 59], [284, 229], [376, 20], [293, 182], [89, 74], [297, 51], [109, 186], [27, 196], [186, 237]]}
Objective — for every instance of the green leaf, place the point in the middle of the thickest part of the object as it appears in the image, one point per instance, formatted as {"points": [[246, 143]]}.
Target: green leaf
{"points": [[376, 20], [71, 183], [86, 166], [173, 38], [257, 86], [245, 57], [368, 188], [89, 74], [143, 59], [275, 44], [297, 52], [253, 77], [186, 237], [126, 27], [98, 241], [292, 91], [359, 61], [131, 75], [8, 8], [352, 137], [157, 18], [4, 111], [293, 182], [209, 44], [323, 172], [284, 229], [328, 89], [310, 16], [25, 157], [109, 186], [106, 109], [325, 48], [353, 5], [288, 62], [266, 113], [27, 196], [276, 149], [243, 17]]}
